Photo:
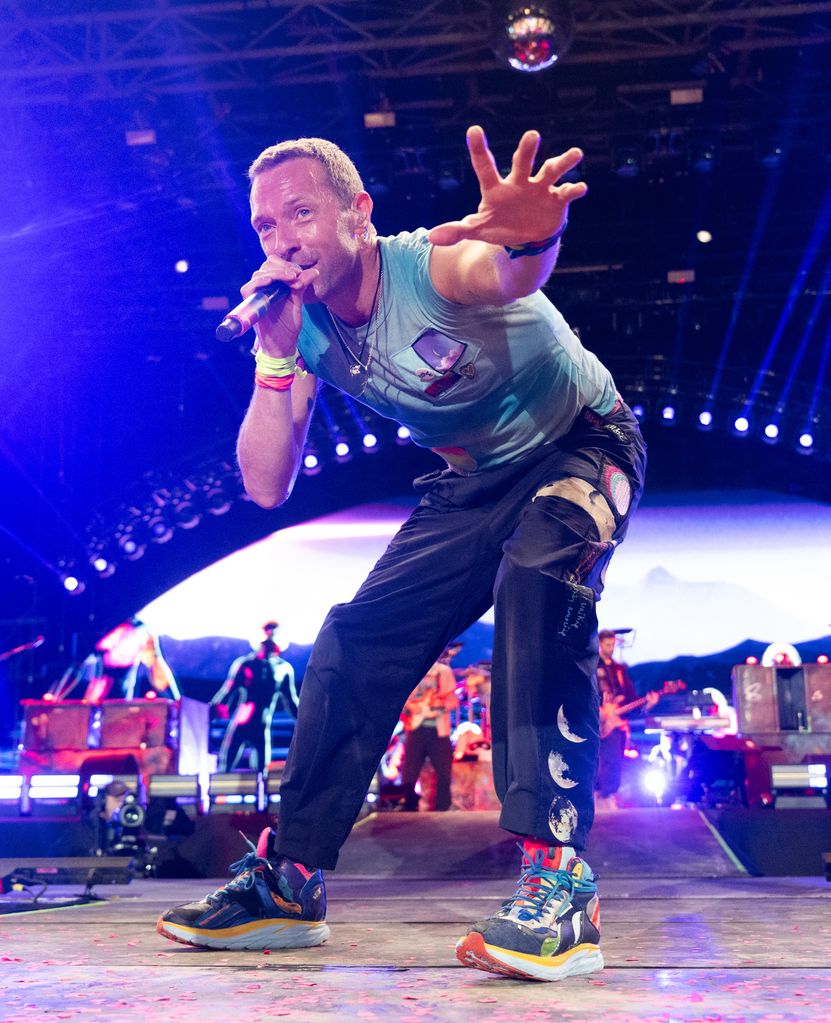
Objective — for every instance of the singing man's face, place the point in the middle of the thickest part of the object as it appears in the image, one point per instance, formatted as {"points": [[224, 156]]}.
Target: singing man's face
{"points": [[299, 218]]}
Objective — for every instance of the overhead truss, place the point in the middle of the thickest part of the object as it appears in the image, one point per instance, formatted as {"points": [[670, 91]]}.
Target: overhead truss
{"points": [[169, 47]]}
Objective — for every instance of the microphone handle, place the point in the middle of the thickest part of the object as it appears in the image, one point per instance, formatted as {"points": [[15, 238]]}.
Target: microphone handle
{"points": [[245, 315]]}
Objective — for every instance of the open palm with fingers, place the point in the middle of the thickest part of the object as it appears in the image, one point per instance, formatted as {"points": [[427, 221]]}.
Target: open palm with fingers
{"points": [[520, 208]]}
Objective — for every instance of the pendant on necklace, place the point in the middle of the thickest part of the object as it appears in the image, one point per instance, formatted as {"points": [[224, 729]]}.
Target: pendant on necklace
{"points": [[355, 371]]}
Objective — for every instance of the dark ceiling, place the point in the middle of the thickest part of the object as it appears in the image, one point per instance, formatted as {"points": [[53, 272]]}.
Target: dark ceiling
{"points": [[114, 395]]}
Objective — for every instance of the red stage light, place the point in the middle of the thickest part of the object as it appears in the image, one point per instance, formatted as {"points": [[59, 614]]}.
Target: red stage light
{"points": [[150, 696], [751, 660], [632, 754], [822, 659], [48, 697]]}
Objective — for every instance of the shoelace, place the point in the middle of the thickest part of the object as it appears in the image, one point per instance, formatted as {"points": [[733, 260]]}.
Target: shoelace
{"points": [[243, 879], [538, 883]]}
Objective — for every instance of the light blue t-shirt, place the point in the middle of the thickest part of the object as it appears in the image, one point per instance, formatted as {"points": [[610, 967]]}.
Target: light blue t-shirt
{"points": [[481, 385]]}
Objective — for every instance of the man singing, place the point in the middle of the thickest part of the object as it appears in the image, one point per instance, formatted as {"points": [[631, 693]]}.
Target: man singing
{"points": [[447, 332]]}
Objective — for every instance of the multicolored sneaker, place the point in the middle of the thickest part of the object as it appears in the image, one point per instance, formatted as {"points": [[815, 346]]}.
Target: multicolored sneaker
{"points": [[270, 903], [550, 927]]}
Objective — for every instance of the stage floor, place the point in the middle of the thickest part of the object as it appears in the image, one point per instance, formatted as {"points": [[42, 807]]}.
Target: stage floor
{"points": [[721, 946]]}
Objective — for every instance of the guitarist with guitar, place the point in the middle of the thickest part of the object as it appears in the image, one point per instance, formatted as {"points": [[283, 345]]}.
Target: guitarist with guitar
{"points": [[616, 692], [426, 719]]}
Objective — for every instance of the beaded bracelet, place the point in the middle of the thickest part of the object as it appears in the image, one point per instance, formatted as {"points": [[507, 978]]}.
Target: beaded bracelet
{"points": [[536, 248]]}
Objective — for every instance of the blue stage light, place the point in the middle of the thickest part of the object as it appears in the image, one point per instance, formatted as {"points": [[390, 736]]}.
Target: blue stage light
{"points": [[705, 419], [742, 424]]}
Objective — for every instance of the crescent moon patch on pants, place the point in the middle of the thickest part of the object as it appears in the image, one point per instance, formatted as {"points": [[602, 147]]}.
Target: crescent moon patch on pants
{"points": [[562, 819], [565, 731], [559, 769]]}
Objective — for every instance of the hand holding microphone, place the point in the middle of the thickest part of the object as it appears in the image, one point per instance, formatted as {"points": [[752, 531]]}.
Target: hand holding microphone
{"points": [[264, 290], [243, 317]]}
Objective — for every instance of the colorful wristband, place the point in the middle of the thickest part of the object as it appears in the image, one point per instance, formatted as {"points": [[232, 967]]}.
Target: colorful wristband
{"points": [[274, 383], [536, 248], [269, 366]]}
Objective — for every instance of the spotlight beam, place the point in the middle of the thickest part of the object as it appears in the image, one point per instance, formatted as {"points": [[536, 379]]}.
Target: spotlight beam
{"points": [[819, 231]]}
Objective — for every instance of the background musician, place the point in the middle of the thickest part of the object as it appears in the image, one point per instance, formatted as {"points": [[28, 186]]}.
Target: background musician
{"points": [[426, 718], [616, 689]]}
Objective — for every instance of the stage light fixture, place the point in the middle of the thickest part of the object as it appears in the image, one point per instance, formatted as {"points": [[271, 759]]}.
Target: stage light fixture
{"points": [[668, 414], [311, 463], [626, 162], [217, 502], [236, 788], [741, 425], [638, 411], [370, 442], [772, 154], [402, 435], [703, 157], [449, 178], [533, 37], [806, 442], [160, 527], [73, 585], [11, 789], [130, 545], [705, 420], [822, 659], [103, 566], [771, 433], [704, 236], [181, 266], [342, 450], [186, 513]]}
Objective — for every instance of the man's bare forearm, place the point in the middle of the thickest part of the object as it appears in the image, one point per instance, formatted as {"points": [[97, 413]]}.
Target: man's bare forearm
{"points": [[271, 440]]}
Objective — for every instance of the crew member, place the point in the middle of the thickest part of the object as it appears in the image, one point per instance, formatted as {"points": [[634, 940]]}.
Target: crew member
{"points": [[447, 332]]}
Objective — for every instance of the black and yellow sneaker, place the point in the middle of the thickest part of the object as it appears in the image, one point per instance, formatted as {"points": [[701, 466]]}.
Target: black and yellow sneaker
{"points": [[550, 927], [270, 903]]}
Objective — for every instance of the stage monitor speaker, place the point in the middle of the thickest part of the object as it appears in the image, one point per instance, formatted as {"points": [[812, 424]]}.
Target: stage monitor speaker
{"points": [[56, 726], [132, 724], [784, 706]]}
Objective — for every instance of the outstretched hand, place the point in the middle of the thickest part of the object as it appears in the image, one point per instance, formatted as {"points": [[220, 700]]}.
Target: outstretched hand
{"points": [[520, 208]]}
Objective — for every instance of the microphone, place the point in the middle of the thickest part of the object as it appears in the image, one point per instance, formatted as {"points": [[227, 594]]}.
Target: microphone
{"points": [[245, 315]]}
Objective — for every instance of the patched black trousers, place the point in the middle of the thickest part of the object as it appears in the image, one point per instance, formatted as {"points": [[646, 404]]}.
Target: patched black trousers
{"points": [[532, 539]]}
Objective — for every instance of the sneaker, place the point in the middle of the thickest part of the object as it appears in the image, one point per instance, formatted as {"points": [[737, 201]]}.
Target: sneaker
{"points": [[550, 927], [270, 903]]}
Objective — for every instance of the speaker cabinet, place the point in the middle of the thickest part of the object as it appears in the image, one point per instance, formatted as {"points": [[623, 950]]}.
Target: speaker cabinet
{"points": [[785, 706], [137, 724], [56, 726]]}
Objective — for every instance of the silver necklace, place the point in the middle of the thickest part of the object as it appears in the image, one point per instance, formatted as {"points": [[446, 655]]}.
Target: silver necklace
{"points": [[358, 366]]}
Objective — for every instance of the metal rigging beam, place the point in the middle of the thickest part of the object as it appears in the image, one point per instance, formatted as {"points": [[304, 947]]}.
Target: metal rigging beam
{"points": [[232, 45]]}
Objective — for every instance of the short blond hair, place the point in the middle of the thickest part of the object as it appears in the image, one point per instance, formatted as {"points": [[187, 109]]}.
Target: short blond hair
{"points": [[342, 173]]}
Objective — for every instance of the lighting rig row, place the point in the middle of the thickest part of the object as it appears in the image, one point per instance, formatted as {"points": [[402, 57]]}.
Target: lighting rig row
{"points": [[766, 428], [340, 431]]}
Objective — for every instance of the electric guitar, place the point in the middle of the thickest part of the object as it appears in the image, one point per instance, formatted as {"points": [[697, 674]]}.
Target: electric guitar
{"points": [[612, 714], [417, 711]]}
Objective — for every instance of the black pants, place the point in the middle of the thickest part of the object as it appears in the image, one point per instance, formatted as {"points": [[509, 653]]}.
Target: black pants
{"points": [[420, 744], [473, 542]]}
